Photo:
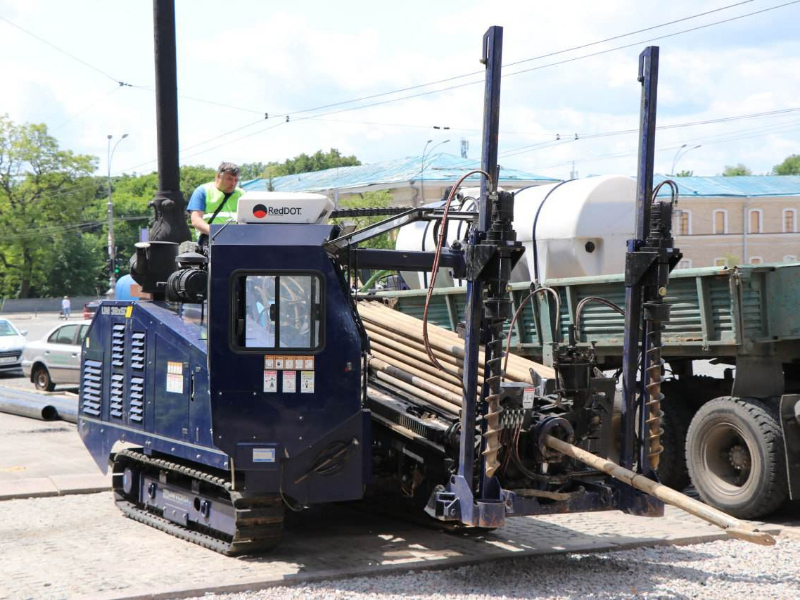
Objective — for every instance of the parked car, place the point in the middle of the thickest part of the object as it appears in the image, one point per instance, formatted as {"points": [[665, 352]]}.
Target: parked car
{"points": [[90, 308], [12, 341], [56, 358]]}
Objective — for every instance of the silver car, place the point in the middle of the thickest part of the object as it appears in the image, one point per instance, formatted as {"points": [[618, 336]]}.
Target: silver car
{"points": [[12, 341], [56, 358]]}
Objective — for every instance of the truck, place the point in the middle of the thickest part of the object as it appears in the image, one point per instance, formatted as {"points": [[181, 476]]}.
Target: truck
{"points": [[736, 438]]}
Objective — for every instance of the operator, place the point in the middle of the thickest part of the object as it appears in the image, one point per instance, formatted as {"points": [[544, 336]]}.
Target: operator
{"points": [[215, 201]]}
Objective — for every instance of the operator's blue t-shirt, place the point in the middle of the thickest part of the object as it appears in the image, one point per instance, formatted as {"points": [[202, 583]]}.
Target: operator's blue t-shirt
{"points": [[198, 199]]}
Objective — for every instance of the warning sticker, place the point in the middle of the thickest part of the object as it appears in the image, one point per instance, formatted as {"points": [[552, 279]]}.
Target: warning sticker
{"points": [[289, 382], [270, 382], [269, 363], [288, 362], [306, 382], [129, 311], [175, 377], [279, 362], [305, 362], [528, 395]]}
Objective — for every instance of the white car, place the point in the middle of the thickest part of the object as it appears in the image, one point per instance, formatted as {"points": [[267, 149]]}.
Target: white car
{"points": [[12, 341], [56, 358]]}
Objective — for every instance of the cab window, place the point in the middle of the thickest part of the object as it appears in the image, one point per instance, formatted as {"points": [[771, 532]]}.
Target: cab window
{"points": [[278, 312], [65, 335]]}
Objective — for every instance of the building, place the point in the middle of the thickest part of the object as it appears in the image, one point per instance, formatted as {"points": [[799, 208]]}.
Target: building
{"points": [[711, 212], [411, 182]]}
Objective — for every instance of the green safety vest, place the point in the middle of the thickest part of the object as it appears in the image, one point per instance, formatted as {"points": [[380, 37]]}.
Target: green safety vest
{"points": [[214, 198]]}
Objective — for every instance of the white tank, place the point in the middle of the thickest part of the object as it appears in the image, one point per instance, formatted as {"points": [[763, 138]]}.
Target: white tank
{"points": [[581, 230]]}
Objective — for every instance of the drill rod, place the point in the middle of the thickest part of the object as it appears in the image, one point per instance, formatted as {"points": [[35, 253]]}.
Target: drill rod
{"points": [[733, 527]]}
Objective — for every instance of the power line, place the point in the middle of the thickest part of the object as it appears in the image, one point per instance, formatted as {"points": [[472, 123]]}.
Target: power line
{"points": [[64, 52], [83, 110]]}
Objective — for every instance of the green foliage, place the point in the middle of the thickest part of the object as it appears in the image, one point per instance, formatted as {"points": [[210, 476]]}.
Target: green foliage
{"points": [[369, 200], [736, 171], [303, 163], [248, 171], [790, 166], [684, 174], [43, 193]]}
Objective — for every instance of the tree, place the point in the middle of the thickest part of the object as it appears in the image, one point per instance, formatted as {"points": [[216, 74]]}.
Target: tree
{"points": [[43, 192], [303, 163], [248, 171], [790, 166], [736, 171], [684, 174]]}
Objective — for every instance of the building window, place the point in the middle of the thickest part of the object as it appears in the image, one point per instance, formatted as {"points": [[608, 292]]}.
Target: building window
{"points": [[755, 260], [684, 222], [790, 258], [755, 220], [720, 262], [789, 220], [720, 221]]}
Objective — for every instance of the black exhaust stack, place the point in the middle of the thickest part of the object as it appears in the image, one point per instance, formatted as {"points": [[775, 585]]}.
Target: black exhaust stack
{"points": [[155, 259]]}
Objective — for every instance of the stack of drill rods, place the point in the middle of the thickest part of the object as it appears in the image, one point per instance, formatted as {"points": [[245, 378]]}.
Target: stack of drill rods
{"points": [[399, 358]]}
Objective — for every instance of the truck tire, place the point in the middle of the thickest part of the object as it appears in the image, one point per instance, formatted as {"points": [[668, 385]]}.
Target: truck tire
{"points": [[735, 455], [672, 469]]}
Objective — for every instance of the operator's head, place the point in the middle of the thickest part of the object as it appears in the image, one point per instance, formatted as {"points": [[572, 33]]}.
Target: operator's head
{"points": [[227, 177]]}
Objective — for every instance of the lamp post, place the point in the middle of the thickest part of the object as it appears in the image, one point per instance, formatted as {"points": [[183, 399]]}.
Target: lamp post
{"points": [[422, 169], [112, 278], [677, 158]]}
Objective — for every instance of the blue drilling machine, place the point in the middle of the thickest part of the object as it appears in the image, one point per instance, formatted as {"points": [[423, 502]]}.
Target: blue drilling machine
{"points": [[242, 386]]}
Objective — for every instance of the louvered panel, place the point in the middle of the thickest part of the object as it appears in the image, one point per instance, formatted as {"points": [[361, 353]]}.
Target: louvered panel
{"points": [[91, 388], [136, 396], [137, 350], [116, 394], [118, 346]]}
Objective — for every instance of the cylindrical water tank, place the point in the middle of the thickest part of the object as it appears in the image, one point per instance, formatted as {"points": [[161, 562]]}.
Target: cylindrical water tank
{"points": [[581, 230]]}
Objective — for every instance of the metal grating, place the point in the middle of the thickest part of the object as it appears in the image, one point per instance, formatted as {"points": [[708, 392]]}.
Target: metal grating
{"points": [[137, 351], [137, 399], [116, 395], [118, 346], [92, 386]]}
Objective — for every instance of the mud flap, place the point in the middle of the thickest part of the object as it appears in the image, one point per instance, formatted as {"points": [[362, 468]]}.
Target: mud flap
{"points": [[790, 426]]}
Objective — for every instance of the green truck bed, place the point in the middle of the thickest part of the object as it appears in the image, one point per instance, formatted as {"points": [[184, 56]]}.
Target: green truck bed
{"points": [[716, 312]]}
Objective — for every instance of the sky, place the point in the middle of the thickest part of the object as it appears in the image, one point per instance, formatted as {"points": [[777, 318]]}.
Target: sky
{"points": [[243, 58]]}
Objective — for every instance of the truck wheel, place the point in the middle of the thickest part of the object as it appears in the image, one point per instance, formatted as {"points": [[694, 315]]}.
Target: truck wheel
{"points": [[734, 449], [41, 379], [672, 470]]}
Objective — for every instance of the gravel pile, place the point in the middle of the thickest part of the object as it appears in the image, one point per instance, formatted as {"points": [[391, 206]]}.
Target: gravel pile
{"points": [[725, 569]]}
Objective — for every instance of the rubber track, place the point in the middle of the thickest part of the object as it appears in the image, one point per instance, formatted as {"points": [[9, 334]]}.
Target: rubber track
{"points": [[259, 520]]}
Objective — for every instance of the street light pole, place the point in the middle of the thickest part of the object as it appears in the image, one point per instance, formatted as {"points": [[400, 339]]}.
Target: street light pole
{"points": [[422, 168], [677, 158], [112, 278]]}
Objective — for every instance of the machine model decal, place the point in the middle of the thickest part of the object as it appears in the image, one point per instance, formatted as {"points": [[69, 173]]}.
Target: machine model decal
{"points": [[175, 377], [270, 382], [306, 382], [289, 382], [262, 455], [117, 311]]}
